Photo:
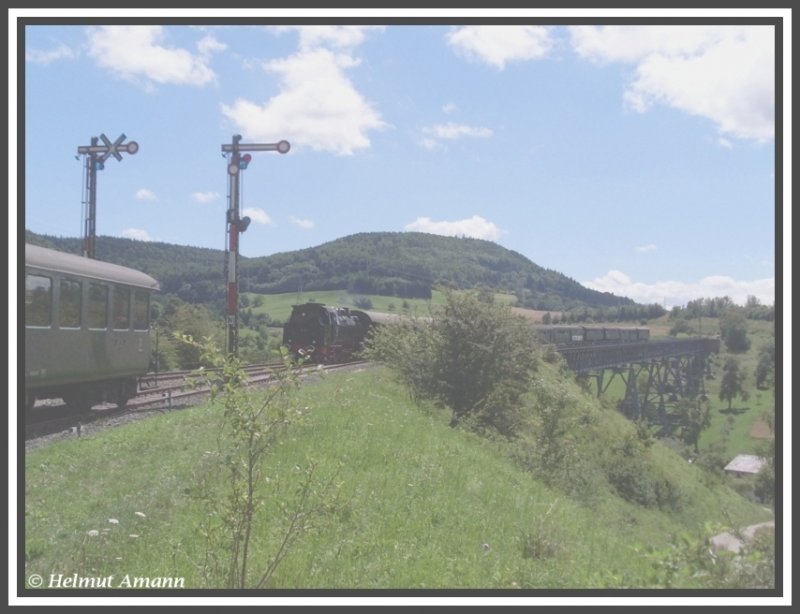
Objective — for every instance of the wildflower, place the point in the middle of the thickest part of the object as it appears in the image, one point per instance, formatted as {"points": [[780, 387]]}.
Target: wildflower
{"points": [[141, 514], [93, 533], [134, 535], [113, 521]]}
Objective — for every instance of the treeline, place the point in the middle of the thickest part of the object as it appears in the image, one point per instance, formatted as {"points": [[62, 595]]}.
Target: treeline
{"points": [[621, 313], [718, 306]]}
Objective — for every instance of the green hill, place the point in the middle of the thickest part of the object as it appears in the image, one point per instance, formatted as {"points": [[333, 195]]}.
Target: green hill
{"points": [[400, 264], [400, 500]]}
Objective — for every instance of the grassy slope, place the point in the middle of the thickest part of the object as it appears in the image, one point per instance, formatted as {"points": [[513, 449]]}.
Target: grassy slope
{"points": [[420, 505]]}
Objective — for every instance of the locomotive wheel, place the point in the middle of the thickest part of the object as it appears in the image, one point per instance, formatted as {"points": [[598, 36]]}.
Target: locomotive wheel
{"points": [[77, 400]]}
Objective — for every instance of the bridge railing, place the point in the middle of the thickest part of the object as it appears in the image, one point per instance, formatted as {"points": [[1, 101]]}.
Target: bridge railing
{"points": [[585, 358]]}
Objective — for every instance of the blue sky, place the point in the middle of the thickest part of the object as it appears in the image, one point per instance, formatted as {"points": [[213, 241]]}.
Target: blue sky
{"points": [[634, 159]]}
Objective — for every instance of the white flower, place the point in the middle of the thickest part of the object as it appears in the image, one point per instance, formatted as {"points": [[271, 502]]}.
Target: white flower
{"points": [[93, 533], [142, 514], [113, 521], [133, 535]]}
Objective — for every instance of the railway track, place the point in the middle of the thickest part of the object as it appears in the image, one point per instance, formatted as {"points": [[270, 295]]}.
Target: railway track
{"points": [[157, 394]]}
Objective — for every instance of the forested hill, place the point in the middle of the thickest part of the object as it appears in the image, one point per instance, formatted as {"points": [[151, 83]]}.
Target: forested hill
{"points": [[410, 264], [403, 264]]}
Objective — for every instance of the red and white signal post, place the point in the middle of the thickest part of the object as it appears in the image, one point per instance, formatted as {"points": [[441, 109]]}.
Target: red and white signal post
{"points": [[235, 224]]}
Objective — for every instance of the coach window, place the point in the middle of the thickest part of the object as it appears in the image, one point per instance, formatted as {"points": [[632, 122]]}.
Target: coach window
{"points": [[141, 310], [69, 304], [38, 300], [122, 308], [98, 306]]}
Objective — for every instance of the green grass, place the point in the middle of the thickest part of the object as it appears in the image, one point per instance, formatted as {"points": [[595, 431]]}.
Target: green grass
{"points": [[419, 504]]}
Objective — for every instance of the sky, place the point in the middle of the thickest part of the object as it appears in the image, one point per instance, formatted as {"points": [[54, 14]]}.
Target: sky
{"points": [[635, 159]]}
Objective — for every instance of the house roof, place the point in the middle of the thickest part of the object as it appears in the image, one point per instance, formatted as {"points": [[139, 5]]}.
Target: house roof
{"points": [[746, 463]]}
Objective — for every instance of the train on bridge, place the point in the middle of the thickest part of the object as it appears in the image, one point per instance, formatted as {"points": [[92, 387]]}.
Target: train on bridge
{"points": [[567, 335]]}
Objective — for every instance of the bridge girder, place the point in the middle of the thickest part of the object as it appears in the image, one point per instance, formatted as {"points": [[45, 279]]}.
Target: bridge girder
{"points": [[674, 370]]}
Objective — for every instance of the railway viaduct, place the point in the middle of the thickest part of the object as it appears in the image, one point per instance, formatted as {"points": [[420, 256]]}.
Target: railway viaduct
{"points": [[654, 372]]}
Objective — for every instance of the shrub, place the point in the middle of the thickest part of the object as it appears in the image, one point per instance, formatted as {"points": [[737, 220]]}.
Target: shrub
{"points": [[637, 479], [475, 357]]}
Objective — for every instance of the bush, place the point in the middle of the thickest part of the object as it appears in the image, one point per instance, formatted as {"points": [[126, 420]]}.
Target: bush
{"points": [[637, 479], [363, 302], [475, 357]]}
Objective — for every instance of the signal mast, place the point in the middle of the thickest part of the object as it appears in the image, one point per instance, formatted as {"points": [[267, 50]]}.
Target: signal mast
{"points": [[236, 224]]}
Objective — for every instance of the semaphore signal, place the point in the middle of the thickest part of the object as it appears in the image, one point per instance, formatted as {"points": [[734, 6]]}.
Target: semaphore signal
{"points": [[235, 225], [96, 155]]}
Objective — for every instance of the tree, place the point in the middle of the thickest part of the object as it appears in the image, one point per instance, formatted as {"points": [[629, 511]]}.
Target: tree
{"points": [[185, 319], [731, 386], [695, 417], [765, 370], [733, 330]]}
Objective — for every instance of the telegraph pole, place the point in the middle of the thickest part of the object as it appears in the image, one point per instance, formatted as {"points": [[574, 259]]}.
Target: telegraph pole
{"points": [[235, 224], [95, 161]]}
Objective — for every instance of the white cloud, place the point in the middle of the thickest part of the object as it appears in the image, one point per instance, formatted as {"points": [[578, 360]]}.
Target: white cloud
{"points": [[318, 106], [205, 197], [137, 234], [208, 45], [451, 131], [496, 45], [302, 223], [643, 249], [134, 53], [257, 215], [723, 73], [449, 108], [336, 37], [145, 194], [62, 52], [672, 293], [476, 227], [429, 143]]}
